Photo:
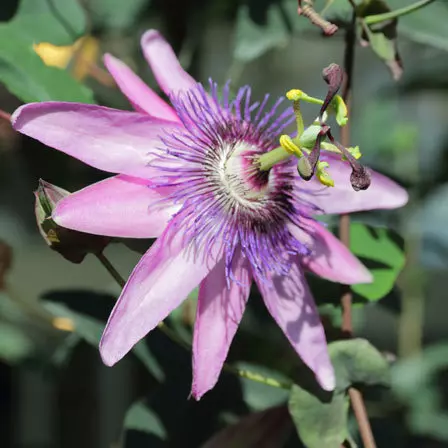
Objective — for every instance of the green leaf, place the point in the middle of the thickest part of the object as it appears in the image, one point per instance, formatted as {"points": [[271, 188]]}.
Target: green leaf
{"points": [[116, 13], [321, 417], [320, 423], [262, 26], [90, 328], [381, 37], [356, 361], [381, 250], [427, 25], [141, 418], [258, 396], [60, 22], [22, 71]]}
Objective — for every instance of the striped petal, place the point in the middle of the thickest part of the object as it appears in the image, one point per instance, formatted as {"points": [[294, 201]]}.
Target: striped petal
{"points": [[120, 206], [219, 312], [167, 70], [141, 96], [108, 139]]}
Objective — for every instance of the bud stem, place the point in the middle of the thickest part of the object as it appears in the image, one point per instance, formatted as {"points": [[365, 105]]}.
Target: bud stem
{"points": [[112, 271]]}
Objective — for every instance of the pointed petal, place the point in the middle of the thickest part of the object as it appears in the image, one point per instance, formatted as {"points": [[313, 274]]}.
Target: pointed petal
{"points": [[291, 304], [120, 206], [329, 258], [141, 96], [383, 192], [219, 312], [162, 279], [108, 139], [167, 70]]}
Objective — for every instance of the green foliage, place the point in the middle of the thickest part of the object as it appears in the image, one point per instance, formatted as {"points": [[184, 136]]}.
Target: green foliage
{"points": [[382, 251], [419, 382], [257, 396], [321, 423], [140, 417], [427, 25], [116, 13], [87, 312], [356, 361], [321, 417], [23, 72], [262, 26]]}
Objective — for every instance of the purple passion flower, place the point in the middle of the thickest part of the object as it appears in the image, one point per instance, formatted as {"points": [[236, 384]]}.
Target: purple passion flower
{"points": [[188, 176]]}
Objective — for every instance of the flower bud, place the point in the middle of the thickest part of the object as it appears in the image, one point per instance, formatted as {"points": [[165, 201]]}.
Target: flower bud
{"points": [[72, 245]]}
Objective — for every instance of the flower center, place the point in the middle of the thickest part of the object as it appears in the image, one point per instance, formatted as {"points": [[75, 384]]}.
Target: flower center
{"points": [[240, 178]]}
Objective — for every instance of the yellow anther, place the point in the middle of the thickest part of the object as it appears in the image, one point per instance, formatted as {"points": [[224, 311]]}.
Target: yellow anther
{"points": [[287, 143], [323, 176], [294, 95]]}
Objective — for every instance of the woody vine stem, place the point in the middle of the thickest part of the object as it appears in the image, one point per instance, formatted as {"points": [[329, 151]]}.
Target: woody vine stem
{"points": [[356, 398]]}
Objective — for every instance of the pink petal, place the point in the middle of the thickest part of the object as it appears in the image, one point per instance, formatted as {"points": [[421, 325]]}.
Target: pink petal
{"points": [[219, 312], [120, 206], [291, 304], [329, 259], [108, 139], [171, 77], [141, 96], [383, 192], [162, 279]]}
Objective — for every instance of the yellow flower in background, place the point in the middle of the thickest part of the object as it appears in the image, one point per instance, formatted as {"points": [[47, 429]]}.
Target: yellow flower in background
{"points": [[82, 55]]}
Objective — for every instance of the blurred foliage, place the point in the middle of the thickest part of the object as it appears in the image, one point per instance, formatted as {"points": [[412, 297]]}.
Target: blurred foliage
{"points": [[59, 22]]}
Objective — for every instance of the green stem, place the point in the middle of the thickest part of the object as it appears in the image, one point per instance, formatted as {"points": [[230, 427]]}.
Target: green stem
{"points": [[112, 271], [268, 160], [377, 18], [182, 343], [257, 378]]}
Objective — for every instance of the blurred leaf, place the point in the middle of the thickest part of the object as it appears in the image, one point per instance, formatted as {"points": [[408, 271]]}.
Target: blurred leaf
{"points": [[116, 13], [381, 250], [420, 382], [258, 396], [141, 418], [381, 37], [427, 25], [85, 319], [60, 22], [22, 71], [337, 11], [320, 423], [265, 429], [264, 25], [356, 361], [15, 345], [321, 417], [25, 331]]}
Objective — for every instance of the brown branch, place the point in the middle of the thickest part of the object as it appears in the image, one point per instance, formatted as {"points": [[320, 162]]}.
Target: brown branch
{"points": [[356, 399]]}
